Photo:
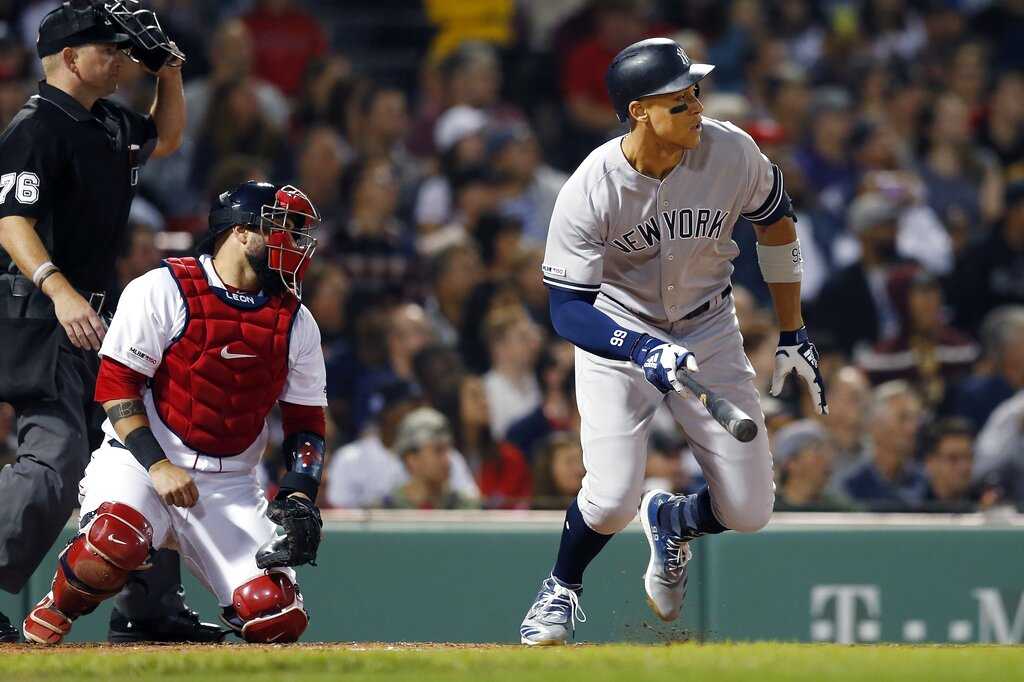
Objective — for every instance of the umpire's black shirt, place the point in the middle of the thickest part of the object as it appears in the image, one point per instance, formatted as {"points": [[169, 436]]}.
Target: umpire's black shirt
{"points": [[75, 171]]}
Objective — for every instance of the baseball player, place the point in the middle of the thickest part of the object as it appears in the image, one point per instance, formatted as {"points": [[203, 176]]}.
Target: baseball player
{"points": [[194, 359], [637, 267]]}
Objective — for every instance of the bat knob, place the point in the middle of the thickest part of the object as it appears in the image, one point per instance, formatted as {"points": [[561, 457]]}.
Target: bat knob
{"points": [[745, 430]]}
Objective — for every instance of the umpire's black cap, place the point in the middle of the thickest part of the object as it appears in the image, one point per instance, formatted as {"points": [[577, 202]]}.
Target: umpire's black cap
{"points": [[73, 24]]}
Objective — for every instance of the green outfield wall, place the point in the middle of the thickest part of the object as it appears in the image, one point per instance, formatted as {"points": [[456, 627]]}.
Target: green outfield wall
{"points": [[466, 577]]}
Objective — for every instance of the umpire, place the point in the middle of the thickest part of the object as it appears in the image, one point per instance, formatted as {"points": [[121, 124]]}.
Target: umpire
{"points": [[69, 167]]}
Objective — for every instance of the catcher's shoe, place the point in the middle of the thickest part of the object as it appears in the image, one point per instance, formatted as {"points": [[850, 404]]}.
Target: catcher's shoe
{"points": [[183, 626], [45, 624], [552, 618], [665, 579], [8, 633]]}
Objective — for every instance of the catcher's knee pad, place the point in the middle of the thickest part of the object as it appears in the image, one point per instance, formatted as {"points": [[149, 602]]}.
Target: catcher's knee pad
{"points": [[270, 608], [96, 564]]}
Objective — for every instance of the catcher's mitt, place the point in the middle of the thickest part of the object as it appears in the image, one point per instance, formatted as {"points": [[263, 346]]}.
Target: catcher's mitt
{"points": [[301, 522]]}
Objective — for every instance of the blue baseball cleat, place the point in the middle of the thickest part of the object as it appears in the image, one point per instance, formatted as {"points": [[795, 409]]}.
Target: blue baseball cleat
{"points": [[665, 579], [552, 618]]}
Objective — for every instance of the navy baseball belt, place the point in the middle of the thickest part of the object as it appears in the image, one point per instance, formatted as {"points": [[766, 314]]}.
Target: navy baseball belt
{"points": [[696, 312]]}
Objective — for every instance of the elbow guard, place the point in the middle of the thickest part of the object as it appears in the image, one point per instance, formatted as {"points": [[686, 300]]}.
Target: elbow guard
{"points": [[304, 457]]}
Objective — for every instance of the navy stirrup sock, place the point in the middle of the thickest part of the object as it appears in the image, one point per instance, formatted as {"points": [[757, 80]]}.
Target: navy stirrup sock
{"points": [[689, 516], [580, 544]]}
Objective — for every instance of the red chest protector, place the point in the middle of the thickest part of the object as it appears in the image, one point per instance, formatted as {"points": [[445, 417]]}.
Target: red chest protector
{"points": [[219, 379]]}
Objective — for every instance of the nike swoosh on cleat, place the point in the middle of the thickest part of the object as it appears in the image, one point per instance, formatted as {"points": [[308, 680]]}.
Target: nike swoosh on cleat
{"points": [[113, 539], [228, 355]]}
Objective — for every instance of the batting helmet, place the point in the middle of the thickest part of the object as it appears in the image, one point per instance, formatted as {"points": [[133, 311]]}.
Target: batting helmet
{"points": [[656, 66], [284, 215]]}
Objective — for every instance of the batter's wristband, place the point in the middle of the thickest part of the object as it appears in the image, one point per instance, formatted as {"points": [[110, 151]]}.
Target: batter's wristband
{"points": [[144, 447]]}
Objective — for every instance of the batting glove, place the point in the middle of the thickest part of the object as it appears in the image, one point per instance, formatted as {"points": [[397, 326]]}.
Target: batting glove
{"points": [[660, 360], [796, 353]]}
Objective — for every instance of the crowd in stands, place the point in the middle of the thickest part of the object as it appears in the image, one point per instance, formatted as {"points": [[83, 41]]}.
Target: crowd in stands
{"points": [[434, 137]]}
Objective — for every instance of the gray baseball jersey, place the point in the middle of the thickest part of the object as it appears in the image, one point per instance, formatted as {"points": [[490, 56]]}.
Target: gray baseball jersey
{"points": [[659, 248]]}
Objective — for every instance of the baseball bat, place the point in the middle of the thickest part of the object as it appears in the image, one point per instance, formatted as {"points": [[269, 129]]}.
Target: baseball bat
{"points": [[733, 419]]}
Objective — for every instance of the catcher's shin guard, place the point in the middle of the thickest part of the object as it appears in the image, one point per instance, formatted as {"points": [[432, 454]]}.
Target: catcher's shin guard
{"points": [[94, 567], [270, 609]]}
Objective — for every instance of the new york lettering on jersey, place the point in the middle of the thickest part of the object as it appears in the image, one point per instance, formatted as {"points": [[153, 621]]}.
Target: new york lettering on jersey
{"points": [[686, 223]]}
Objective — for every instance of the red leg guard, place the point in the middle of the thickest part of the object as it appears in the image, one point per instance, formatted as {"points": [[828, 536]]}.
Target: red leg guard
{"points": [[94, 567], [271, 608]]}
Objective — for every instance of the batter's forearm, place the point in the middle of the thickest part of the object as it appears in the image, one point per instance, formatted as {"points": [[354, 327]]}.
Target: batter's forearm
{"points": [[577, 320], [785, 295]]}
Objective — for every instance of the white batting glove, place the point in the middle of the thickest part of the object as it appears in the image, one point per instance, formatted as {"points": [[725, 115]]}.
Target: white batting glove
{"points": [[660, 360], [796, 353]]}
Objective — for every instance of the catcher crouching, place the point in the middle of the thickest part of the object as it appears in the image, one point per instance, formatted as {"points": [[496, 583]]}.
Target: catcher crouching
{"points": [[195, 358]]}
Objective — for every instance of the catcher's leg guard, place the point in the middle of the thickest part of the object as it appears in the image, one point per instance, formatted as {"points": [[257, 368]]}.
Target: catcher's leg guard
{"points": [[94, 567], [270, 609]]}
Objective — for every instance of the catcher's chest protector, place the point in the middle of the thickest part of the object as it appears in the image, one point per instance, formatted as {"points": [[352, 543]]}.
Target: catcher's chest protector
{"points": [[222, 375]]}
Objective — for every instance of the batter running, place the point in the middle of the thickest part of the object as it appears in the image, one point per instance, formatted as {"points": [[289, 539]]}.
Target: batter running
{"points": [[638, 271]]}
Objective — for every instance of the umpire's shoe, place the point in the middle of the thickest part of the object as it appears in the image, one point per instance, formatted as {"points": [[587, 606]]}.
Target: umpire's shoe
{"points": [[665, 579], [183, 626], [552, 618], [8, 633]]}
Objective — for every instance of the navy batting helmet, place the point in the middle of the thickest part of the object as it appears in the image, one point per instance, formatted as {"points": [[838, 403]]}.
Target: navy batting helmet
{"points": [[656, 66]]}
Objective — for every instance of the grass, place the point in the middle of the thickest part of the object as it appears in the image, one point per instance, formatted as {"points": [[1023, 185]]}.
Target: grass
{"points": [[723, 662]]}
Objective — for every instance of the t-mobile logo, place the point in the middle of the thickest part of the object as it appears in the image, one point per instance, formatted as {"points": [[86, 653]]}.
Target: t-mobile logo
{"points": [[855, 611]]}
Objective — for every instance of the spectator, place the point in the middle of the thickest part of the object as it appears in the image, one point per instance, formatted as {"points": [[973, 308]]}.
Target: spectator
{"points": [[1000, 374], [456, 271], [363, 473], [1002, 130], [854, 304], [557, 410], [288, 39], [804, 462], [140, 254], [529, 186], [500, 467], [512, 388], [557, 471], [847, 418], [1000, 450], [374, 245], [948, 455], [887, 478], [423, 443], [231, 58], [927, 352], [991, 271], [322, 156]]}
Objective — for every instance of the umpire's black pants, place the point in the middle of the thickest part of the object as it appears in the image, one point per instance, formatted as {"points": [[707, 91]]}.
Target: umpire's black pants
{"points": [[39, 490]]}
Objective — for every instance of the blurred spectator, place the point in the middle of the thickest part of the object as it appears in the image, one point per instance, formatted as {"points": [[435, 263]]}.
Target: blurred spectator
{"points": [[8, 436], [804, 462], [322, 156], [614, 25], [849, 406], [512, 388], [671, 466], [1002, 130], [948, 452], [231, 58], [528, 186], [288, 39], [13, 94], [854, 304], [927, 352], [500, 467], [1000, 450], [374, 245], [557, 471], [1001, 374], [557, 410], [823, 156], [456, 271], [140, 254], [364, 472], [423, 443], [991, 271], [887, 478], [235, 126]]}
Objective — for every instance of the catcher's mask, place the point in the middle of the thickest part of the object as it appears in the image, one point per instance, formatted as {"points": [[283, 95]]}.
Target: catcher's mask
{"points": [[149, 44], [283, 215]]}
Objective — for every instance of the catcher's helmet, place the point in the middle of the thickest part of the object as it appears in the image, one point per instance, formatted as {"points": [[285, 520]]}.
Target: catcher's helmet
{"points": [[283, 215], [656, 66]]}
